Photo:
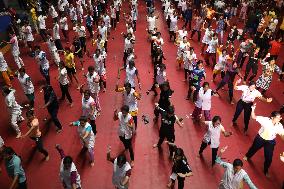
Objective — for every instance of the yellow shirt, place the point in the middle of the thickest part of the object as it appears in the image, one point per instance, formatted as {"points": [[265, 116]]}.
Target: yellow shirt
{"points": [[69, 60], [33, 14]]}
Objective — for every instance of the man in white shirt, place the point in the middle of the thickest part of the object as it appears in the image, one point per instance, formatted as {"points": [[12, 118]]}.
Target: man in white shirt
{"points": [[42, 26], [81, 31], [56, 36], [270, 127], [43, 63], [249, 93]]}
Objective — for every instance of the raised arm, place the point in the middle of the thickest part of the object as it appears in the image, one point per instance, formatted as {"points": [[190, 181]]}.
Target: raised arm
{"points": [[249, 182]]}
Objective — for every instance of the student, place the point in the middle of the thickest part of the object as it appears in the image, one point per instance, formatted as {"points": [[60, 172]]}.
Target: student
{"points": [[180, 168], [234, 175], [56, 36], [64, 83], [93, 83], [125, 129], [270, 127], [159, 78], [167, 130], [212, 137], [130, 97], [14, 109], [51, 103], [69, 175], [232, 71], [4, 70], [121, 170], [70, 65], [42, 26], [249, 93], [131, 72], [89, 108], [252, 65], [13, 164], [27, 86], [34, 133], [78, 50], [53, 49], [203, 102], [15, 49], [87, 136], [164, 100], [43, 64]]}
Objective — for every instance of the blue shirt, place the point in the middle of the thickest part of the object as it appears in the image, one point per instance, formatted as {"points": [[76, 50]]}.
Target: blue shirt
{"points": [[14, 168], [88, 126]]}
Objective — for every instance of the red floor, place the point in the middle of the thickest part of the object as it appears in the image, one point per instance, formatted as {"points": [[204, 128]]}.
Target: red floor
{"points": [[152, 168]]}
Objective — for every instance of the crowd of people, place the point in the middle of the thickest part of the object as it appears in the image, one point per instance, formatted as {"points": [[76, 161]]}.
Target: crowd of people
{"points": [[231, 33]]}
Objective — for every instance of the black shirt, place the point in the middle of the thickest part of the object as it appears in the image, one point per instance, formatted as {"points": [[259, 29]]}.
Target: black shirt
{"points": [[77, 46], [181, 166], [164, 101], [51, 97]]}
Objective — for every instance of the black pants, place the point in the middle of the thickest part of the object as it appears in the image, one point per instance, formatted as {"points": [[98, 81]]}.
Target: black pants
{"points": [[90, 30], [39, 145], [186, 74], [180, 182], [222, 75], [187, 21], [281, 76], [198, 34], [113, 22], [230, 86], [45, 74], [268, 150], [128, 146], [165, 133], [22, 185], [53, 111], [241, 59], [65, 92], [43, 34], [65, 34], [241, 105], [134, 25], [94, 126], [251, 66], [58, 44], [83, 43], [214, 151], [135, 122], [117, 16]]}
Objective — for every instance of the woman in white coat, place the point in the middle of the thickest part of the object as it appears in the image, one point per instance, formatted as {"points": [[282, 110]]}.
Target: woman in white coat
{"points": [[203, 102]]}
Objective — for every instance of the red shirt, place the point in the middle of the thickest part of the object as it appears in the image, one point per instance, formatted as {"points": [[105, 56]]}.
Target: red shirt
{"points": [[275, 47]]}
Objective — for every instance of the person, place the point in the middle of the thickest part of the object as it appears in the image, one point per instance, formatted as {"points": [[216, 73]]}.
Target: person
{"points": [[34, 133], [81, 31], [131, 72], [42, 26], [64, 83], [167, 130], [164, 100], [27, 86], [13, 164], [70, 65], [15, 49], [203, 102], [53, 49], [197, 27], [211, 51], [78, 50], [56, 36], [270, 127], [43, 64], [51, 103], [198, 73], [89, 24], [29, 37], [180, 168], [212, 137], [93, 80], [64, 27], [87, 136], [14, 109], [249, 93], [252, 64], [269, 67], [89, 108], [121, 170], [68, 174], [222, 63], [4, 70], [234, 174], [230, 74], [130, 97], [160, 77], [125, 129]]}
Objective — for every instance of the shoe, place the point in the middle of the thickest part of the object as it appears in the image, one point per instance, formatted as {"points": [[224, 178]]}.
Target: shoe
{"points": [[132, 163], [147, 93], [92, 164], [58, 131], [46, 158], [71, 105], [155, 145], [245, 158]]}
